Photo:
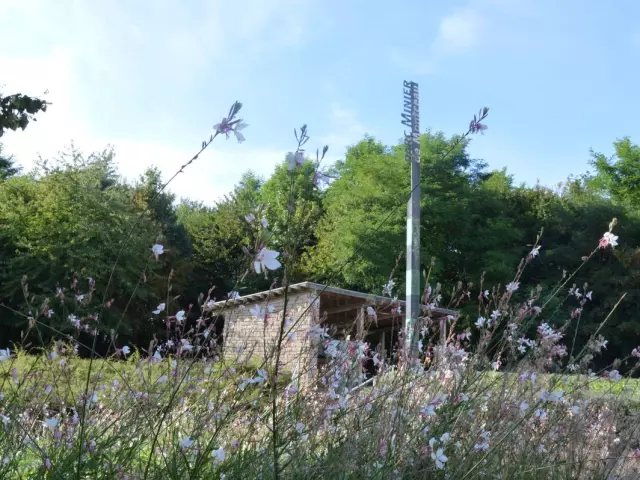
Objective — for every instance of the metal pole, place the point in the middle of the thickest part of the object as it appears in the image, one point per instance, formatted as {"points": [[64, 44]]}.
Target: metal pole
{"points": [[411, 119]]}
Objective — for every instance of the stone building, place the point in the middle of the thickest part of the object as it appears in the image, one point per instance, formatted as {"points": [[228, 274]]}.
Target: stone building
{"points": [[344, 312]]}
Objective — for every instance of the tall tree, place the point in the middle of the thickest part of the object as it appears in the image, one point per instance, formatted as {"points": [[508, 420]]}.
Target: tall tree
{"points": [[17, 110]]}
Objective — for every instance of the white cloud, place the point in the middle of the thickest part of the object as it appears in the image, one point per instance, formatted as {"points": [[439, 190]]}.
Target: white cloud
{"points": [[460, 30]]}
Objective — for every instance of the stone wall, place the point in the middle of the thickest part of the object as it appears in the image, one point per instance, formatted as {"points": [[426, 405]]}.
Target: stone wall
{"points": [[246, 337]]}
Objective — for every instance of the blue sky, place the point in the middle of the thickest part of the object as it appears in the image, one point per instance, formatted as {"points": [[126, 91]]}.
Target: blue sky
{"points": [[152, 78]]}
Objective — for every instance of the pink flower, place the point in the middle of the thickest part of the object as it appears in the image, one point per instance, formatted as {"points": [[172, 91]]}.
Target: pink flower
{"points": [[608, 239]]}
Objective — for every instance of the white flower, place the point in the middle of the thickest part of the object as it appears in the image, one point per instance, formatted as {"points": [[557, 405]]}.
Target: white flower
{"points": [[300, 429], [264, 222], [588, 295], [233, 295], [541, 414], [51, 423], [180, 316], [236, 131], [75, 321], [159, 309], [250, 218], [439, 458], [555, 396], [163, 379], [535, 251], [156, 356], [387, 288], [218, 455], [428, 410], [615, 375], [445, 437], [126, 350], [371, 312], [524, 406], [79, 298], [495, 314], [294, 160], [157, 250], [186, 442], [259, 311], [266, 260], [513, 286], [5, 354], [480, 322], [186, 345], [610, 239]]}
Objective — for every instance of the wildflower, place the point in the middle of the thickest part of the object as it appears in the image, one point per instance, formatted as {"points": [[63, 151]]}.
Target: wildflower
{"points": [[75, 321], [535, 251], [387, 288], [125, 350], [157, 250], [600, 343], [614, 375], [51, 423], [159, 308], [294, 160], [372, 313], [233, 295], [541, 414], [5, 354], [186, 442], [495, 314], [156, 356], [554, 396], [513, 286], [635, 352], [218, 455], [300, 429], [429, 410], [481, 322], [477, 127], [439, 458], [608, 239], [250, 218], [180, 316], [264, 222], [445, 437], [524, 406], [266, 260], [258, 311], [186, 345], [228, 126], [79, 298]]}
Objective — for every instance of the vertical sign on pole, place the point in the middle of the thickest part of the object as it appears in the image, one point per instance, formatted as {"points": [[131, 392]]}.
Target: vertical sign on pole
{"points": [[410, 119]]}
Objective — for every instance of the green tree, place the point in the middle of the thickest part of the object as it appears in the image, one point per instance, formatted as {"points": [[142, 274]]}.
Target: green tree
{"points": [[17, 110], [293, 207], [618, 177], [8, 167], [66, 222]]}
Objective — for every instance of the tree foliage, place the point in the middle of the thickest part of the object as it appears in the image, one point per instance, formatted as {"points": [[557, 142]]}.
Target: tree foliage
{"points": [[67, 221]]}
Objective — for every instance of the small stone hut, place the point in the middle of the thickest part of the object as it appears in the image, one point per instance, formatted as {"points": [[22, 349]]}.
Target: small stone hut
{"points": [[344, 312]]}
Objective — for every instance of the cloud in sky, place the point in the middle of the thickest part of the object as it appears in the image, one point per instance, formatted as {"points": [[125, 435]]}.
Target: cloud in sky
{"points": [[459, 30]]}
